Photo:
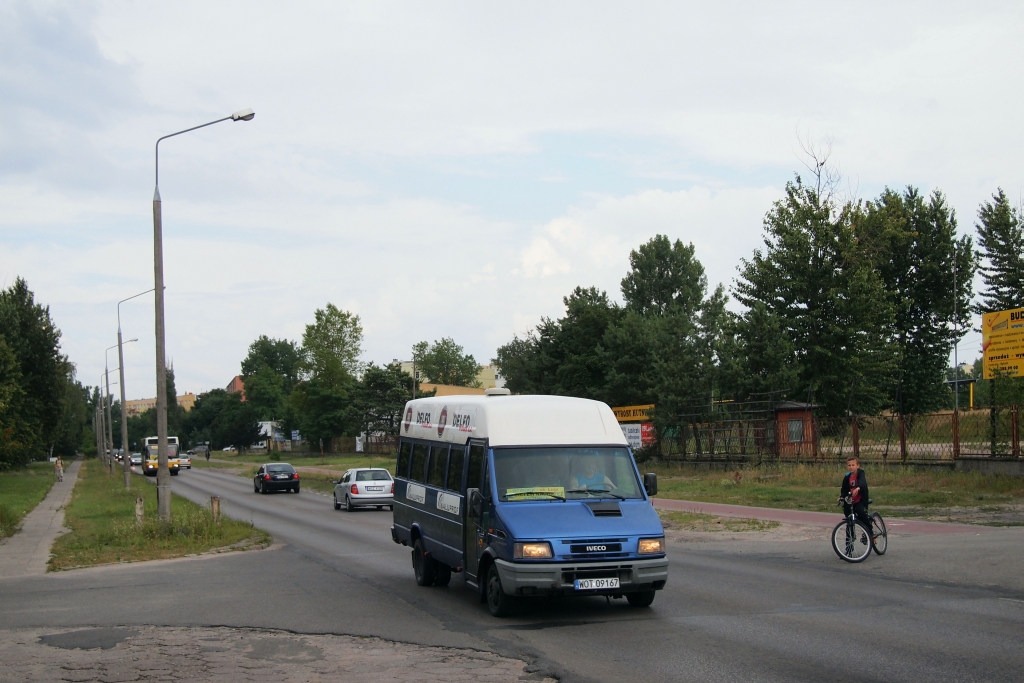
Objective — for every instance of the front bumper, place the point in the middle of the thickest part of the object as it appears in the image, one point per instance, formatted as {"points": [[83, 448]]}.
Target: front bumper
{"points": [[546, 579]]}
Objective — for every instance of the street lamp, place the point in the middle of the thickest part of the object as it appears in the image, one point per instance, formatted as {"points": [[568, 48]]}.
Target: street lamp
{"points": [[163, 475], [110, 420], [124, 406]]}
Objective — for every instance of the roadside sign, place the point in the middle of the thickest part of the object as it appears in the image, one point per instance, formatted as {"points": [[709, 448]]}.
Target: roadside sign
{"points": [[295, 435], [634, 413], [1002, 343]]}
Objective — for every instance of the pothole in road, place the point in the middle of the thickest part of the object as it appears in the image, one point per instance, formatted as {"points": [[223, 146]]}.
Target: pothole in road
{"points": [[151, 652]]}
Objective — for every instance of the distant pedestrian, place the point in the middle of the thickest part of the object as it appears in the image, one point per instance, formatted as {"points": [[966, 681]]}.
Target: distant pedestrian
{"points": [[58, 468]]}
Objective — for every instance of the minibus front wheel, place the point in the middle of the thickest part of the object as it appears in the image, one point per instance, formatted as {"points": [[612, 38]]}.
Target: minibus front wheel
{"points": [[499, 603], [640, 599]]}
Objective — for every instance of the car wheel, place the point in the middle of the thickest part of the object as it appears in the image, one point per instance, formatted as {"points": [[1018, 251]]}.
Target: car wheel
{"points": [[422, 564], [337, 505], [391, 508], [442, 575], [263, 489], [498, 603], [296, 489], [349, 507], [255, 487], [641, 599]]}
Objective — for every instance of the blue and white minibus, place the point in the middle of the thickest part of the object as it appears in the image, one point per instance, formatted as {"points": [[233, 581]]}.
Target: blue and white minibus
{"points": [[529, 496]]}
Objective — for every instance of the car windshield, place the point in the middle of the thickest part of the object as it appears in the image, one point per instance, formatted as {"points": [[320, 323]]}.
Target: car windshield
{"points": [[373, 475], [280, 468], [564, 473]]}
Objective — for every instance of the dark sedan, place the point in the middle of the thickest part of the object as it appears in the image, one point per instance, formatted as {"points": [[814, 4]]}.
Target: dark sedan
{"points": [[275, 476]]}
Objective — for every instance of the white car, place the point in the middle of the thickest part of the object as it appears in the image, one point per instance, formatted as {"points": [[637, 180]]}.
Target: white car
{"points": [[365, 487], [185, 461], [136, 459]]}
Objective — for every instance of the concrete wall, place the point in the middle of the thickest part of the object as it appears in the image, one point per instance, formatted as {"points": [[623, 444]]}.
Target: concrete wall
{"points": [[1013, 467]]}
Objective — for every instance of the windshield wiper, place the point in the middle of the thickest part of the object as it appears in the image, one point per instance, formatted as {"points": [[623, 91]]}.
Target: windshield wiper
{"points": [[534, 493], [596, 491]]}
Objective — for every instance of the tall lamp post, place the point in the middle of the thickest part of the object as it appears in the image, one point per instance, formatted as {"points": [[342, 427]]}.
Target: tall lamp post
{"points": [[163, 475], [124, 406], [110, 419], [103, 416]]}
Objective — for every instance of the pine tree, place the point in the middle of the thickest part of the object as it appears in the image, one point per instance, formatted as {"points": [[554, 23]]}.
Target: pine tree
{"points": [[1001, 242]]}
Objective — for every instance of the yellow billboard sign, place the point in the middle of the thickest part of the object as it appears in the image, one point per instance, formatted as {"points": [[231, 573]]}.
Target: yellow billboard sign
{"points": [[634, 413], [1002, 343]]}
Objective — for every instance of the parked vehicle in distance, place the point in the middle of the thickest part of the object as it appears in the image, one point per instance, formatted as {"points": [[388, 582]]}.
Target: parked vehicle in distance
{"points": [[149, 452], [230, 449], [136, 459], [529, 496], [275, 476], [365, 487], [185, 461]]}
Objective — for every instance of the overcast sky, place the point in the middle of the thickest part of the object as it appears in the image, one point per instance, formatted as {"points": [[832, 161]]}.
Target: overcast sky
{"points": [[454, 169]]}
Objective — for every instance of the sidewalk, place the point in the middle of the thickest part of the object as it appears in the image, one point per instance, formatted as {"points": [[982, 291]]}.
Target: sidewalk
{"points": [[27, 552], [818, 519]]}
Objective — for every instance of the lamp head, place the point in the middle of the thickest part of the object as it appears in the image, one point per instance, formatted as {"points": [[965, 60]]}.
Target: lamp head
{"points": [[244, 115], [131, 340]]}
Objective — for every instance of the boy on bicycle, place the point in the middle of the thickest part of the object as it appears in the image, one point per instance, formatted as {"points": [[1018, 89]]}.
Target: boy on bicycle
{"points": [[855, 485]]}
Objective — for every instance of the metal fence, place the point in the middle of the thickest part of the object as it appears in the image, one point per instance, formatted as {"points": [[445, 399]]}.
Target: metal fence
{"points": [[935, 437]]}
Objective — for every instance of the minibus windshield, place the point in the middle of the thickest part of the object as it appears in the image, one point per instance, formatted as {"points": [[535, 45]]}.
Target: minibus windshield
{"points": [[564, 472]]}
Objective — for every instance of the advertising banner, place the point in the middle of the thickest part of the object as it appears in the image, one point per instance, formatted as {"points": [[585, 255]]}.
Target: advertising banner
{"points": [[647, 435], [634, 413], [632, 432], [1002, 343]]}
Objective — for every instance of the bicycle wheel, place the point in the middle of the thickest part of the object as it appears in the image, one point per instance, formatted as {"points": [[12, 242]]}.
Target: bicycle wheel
{"points": [[851, 541], [879, 536]]}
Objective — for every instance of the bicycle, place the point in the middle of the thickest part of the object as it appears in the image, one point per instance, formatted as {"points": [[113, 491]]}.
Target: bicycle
{"points": [[853, 541]]}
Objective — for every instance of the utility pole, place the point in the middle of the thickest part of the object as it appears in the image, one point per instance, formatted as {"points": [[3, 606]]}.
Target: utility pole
{"points": [[103, 425], [163, 474]]}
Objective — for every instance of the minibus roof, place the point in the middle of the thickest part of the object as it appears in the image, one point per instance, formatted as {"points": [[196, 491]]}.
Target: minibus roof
{"points": [[512, 420]]}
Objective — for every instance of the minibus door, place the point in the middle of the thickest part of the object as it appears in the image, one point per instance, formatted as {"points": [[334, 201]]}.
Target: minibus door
{"points": [[475, 505]]}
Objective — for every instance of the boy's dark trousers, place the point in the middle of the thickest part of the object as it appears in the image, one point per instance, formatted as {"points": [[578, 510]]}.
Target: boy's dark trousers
{"points": [[859, 509]]}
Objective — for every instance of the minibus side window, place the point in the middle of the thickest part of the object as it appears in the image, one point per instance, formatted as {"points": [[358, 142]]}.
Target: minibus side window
{"points": [[438, 463], [402, 468], [476, 463], [419, 461], [455, 463]]}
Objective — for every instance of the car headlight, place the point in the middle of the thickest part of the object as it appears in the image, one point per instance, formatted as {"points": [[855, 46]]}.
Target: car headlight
{"points": [[532, 551], [651, 546]]}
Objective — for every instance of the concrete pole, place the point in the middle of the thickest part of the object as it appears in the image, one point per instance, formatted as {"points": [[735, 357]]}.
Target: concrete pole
{"points": [[110, 425], [163, 474], [126, 461], [103, 426]]}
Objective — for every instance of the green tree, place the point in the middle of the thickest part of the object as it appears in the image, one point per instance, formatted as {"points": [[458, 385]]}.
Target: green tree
{"points": [[270, 371], [827, 299], [198, 423], [445, 362], [331, 347], [914, 248], [383, 392], [236, 424], [664, 278], [42, 370], [1001, 242]]}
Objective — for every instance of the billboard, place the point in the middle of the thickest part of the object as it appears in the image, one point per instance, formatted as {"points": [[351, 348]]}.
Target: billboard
{"points": [[1002, 343], [639, 435], [634, 413]]}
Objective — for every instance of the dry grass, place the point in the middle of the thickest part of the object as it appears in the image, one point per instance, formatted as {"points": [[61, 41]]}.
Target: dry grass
{"points": [[691, 521]]}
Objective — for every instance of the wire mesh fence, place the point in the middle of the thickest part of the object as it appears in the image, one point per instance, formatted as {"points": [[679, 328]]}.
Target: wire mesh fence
{"points": [[935, 437]]}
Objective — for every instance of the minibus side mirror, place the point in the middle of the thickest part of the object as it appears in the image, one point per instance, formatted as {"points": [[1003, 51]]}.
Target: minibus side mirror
{"points": [[651, 483], [475, 501]]}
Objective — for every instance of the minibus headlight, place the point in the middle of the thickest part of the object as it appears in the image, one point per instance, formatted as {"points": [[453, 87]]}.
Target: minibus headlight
{"points": [[533, 551], [651, 546]]}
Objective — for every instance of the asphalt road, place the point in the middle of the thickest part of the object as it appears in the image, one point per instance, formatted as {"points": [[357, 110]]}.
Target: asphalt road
{"points": [[936, 607]]}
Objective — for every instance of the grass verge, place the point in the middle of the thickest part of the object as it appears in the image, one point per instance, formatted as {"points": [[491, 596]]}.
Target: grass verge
{"points": [[101, 516], [340, 462], [692, 521], [20, 491], [816, 487]]}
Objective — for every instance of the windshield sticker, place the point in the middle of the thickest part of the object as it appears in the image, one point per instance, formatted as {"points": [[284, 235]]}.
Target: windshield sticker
{"points": [[448, 503], [536, 492], [416, 494], [442, 421]]}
